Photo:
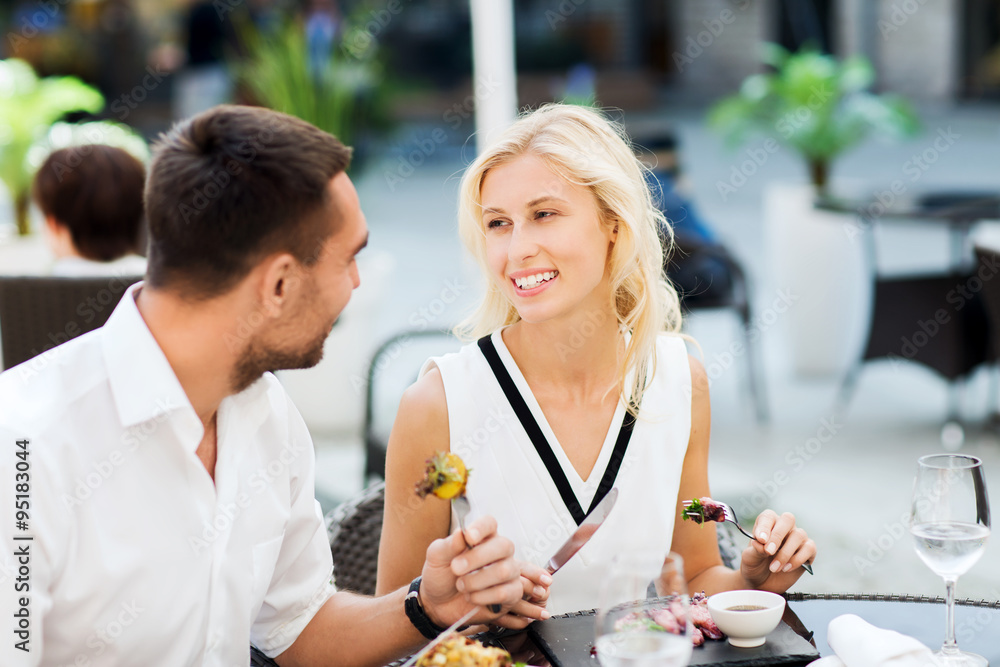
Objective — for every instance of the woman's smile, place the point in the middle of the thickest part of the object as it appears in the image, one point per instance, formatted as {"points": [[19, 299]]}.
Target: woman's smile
{"points": [[531, 282]]}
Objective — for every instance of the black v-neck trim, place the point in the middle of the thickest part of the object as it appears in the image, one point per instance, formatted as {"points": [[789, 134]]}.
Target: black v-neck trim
{"points": [[542, 446]]}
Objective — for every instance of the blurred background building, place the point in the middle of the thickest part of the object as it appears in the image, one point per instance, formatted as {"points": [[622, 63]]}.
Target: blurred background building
{"points": [[638, 53]]}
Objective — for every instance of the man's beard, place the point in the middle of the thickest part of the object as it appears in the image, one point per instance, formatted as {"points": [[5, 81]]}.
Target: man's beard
{"points": [[257, 360]]}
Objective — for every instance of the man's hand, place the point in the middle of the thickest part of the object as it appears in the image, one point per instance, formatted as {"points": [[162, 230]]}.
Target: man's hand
{"points": [[457, 578]]}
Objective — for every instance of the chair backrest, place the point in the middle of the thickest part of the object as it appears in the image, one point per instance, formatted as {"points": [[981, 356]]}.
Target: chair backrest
{"points": [[40, 312], [393, 368], [355, 528], [989, 261]]}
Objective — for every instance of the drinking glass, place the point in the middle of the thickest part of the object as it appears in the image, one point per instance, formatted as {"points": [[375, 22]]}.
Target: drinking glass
{"points": [[950, 523], [643, 619]]}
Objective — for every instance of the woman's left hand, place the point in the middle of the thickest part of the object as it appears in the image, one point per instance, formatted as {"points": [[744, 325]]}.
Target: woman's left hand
{"points": [[773, 561]]}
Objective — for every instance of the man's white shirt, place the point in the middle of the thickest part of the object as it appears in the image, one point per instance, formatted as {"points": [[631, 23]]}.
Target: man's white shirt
{"points": [[135, 556]]}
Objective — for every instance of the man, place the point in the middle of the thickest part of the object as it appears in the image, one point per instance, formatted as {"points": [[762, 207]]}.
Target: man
{"points": [[165, 511]]}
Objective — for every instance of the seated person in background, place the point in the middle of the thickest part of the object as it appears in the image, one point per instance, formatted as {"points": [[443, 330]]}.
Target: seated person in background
{"points": [[171, 478], [579, 319], [699, 266], [91, 197]]}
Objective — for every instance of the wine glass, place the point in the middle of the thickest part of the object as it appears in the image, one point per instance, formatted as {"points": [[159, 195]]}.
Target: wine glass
{"points": [[950, 522], [643, 620]]}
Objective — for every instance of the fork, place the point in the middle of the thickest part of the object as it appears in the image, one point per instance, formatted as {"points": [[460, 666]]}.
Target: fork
{"points": [[729, 514], [461, 506]]}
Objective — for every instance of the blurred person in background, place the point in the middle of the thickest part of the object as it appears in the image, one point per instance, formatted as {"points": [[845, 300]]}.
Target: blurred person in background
{"points": [[323, 26], [118, 34], [204, 81], [699, 266], [91, 198]]}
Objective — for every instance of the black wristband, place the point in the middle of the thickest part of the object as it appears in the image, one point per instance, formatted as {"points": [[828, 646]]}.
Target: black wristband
{"points": [[418, 617]]}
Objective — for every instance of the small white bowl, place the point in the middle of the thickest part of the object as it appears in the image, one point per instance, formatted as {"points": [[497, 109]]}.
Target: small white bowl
{"points": [[745, 628]]}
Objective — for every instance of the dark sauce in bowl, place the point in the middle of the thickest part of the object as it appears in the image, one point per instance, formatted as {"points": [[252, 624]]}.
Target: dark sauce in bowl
{"points": [[746, 607]]}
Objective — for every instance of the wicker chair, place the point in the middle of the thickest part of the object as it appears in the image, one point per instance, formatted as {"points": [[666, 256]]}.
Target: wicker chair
{"points": [[988, 257], [40, 312], [355, 528], [903, 310]]}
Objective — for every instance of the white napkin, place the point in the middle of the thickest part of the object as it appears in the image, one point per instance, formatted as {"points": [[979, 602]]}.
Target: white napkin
{"points": [[858, 643]]}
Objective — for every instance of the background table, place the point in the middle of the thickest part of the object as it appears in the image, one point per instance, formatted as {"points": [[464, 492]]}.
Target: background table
{"points": [[923, 317]]}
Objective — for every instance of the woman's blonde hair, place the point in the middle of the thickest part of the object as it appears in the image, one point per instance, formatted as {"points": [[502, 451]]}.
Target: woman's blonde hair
{"points": [[585, 148]]}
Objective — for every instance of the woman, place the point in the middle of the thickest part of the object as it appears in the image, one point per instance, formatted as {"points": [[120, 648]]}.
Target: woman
{"points": [[580, 327]]}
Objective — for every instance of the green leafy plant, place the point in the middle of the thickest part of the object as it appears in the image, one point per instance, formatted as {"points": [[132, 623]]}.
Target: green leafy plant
{"points": [[28, 107], [815, 104], [345, 95]]}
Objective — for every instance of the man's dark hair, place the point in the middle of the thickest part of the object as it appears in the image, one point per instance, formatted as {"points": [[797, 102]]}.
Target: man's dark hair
{"points": [[96, 192], [232, 185]]}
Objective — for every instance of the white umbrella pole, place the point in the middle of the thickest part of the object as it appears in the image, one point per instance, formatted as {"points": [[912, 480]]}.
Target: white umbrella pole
{"points": [[494, 75]]}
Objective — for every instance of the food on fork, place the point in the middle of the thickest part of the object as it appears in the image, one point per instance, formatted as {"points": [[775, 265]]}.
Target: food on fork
{"points": [[454, 650], [703, 509], [445, 477]]}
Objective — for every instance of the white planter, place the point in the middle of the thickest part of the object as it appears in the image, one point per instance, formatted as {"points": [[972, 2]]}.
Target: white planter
{"points": [[815, 256]]}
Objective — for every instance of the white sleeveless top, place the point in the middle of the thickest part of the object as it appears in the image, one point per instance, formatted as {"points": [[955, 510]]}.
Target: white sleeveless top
{"points": [[509, 480]]}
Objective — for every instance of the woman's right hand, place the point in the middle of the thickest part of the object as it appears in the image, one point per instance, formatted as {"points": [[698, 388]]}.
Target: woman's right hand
{"points": [[773, 561]]}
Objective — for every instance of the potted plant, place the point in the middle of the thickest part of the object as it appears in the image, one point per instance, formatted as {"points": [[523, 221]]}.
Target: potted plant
{"points": [[28, 107], [818, 107], [815, 104]]}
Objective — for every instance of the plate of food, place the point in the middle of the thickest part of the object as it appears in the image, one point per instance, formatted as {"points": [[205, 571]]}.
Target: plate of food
{"points": [[455, 650]]}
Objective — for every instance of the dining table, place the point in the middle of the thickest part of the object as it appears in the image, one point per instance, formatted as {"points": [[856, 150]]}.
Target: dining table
{"points": [[977, 627]]}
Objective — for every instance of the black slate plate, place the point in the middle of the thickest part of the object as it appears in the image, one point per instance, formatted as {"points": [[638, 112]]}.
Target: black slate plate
{"points": [[567, 641]]}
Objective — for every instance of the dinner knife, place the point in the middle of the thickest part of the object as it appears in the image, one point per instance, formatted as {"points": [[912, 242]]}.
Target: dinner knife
{"points": [[583, 532]]}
